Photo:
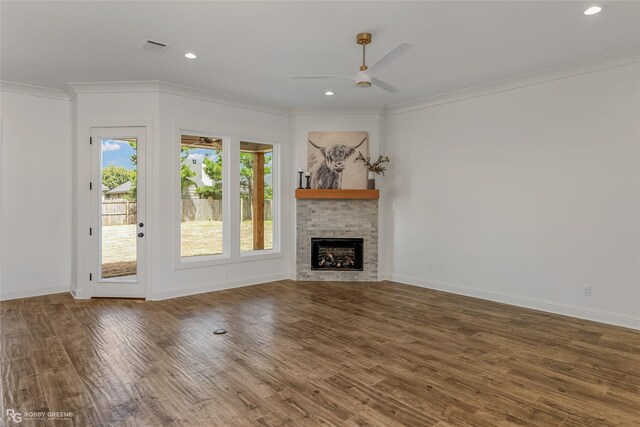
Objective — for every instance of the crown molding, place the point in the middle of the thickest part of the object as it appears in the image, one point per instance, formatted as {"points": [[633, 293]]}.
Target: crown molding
{"points": [[578, 68], [42, 92], [332, 111], [77, 88], [171, 89], [218, 98], [530, 79]]}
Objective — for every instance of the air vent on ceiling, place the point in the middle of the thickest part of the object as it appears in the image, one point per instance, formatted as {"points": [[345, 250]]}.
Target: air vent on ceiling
{"points": [[154, 45]]}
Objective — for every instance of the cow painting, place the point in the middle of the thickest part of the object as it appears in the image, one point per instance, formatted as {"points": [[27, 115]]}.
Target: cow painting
{"points": [[329, 160]]}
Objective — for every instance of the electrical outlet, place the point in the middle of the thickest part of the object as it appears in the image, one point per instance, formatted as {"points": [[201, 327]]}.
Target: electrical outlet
{"points": [[34, 273], [587, 291], [429, 267], [226, 273]]}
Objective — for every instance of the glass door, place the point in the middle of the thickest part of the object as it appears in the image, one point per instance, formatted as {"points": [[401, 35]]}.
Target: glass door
{"points": [[118, 211]]}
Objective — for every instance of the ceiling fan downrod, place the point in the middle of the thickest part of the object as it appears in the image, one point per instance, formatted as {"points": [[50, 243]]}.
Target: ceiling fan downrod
{"points": [[362, 79], [363, 39]]}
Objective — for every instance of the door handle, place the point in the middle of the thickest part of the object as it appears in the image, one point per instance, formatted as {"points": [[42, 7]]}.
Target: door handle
{"points": [[140, 234]]}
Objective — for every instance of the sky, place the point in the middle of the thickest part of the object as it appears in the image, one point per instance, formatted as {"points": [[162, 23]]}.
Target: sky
{"points": [[118, 153], [201, 153]]}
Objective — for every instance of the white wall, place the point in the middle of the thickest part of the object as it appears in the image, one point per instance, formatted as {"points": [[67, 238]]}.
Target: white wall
{"points": [[164, 109], [35, 205], [305, 120], [524, 196], [104, 109], [239, 123]]}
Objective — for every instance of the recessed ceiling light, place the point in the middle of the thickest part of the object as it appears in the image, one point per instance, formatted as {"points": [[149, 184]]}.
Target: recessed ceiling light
{"points": [[190, 55], [592, 10], [329, 93]]}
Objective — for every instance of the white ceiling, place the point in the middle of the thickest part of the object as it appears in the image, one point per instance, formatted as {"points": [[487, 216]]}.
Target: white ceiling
{"points": [[247, 49]]}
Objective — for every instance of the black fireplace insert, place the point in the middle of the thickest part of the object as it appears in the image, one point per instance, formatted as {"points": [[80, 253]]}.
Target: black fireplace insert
{"points": [[336, 254]]}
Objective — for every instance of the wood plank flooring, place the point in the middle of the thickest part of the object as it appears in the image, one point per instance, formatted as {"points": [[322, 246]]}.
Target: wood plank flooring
{"points": [[309, 353]]}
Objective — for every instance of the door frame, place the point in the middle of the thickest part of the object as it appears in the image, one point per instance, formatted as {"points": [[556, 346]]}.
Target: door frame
{"points": [[117, 288]]}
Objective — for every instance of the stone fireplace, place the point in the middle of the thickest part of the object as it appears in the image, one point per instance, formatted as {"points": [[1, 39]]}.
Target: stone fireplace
{"points": [[346, 229]]}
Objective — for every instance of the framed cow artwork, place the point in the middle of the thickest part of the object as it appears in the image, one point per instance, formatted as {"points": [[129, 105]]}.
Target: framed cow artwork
{"points": [[331, 159]]}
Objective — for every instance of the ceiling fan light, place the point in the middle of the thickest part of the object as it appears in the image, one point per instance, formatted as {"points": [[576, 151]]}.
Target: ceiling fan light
{"points": [[363, 80]]}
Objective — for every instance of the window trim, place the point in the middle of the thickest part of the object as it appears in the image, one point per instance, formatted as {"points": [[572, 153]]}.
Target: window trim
{"points": [[201, 260], [231, 253]]}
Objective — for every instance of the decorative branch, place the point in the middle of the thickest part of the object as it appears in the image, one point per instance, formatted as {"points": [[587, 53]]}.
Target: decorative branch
{"points": [[378, 167]]}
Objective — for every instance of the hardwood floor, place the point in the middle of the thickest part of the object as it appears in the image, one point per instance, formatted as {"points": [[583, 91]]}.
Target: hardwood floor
{"points": [[306, 353]]}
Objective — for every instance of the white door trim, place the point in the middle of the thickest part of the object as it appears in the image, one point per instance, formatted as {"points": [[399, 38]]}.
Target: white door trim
{"points": [[117, 288]]}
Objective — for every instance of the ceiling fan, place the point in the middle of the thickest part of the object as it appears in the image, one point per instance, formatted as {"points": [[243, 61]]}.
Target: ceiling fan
{"points": [[365, 78]]}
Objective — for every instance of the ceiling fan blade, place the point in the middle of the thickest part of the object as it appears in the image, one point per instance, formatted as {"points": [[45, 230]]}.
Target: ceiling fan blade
{"points": [[319, 77], [388, 57], [383, 85]]}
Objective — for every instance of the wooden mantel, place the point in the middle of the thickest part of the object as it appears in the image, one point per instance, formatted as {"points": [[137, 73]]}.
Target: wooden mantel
{"points": [[337, 194]]}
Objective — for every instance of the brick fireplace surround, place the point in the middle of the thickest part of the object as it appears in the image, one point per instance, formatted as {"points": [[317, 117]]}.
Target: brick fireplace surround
{"points": [[343, 218]]}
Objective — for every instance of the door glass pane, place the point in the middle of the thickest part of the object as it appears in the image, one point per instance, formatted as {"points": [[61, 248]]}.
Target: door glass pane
{"points": [[256, 196], [118, 172], [201, 195]]}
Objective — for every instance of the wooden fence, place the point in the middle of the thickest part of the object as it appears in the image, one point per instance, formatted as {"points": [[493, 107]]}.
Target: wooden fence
{"points": [[118, 212], [246, 210], [122, 211], [201, 210]]}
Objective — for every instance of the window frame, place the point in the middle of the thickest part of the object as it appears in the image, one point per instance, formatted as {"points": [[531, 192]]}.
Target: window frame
{"points": [[231, 253], [275, 203], [200, 260]]}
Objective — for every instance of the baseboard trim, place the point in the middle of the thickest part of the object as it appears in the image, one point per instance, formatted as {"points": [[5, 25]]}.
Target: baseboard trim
{"points": [[384, 276], [600, 316], [6, 296], [218, 286], [79, 294]]}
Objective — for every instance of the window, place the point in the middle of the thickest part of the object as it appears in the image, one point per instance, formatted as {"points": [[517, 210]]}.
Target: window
{"points": [[201, 183], [118, 209], [256, 196]]}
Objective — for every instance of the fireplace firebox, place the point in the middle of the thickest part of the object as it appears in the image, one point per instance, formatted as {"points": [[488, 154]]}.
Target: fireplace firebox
{"points": [[336, 254]]}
